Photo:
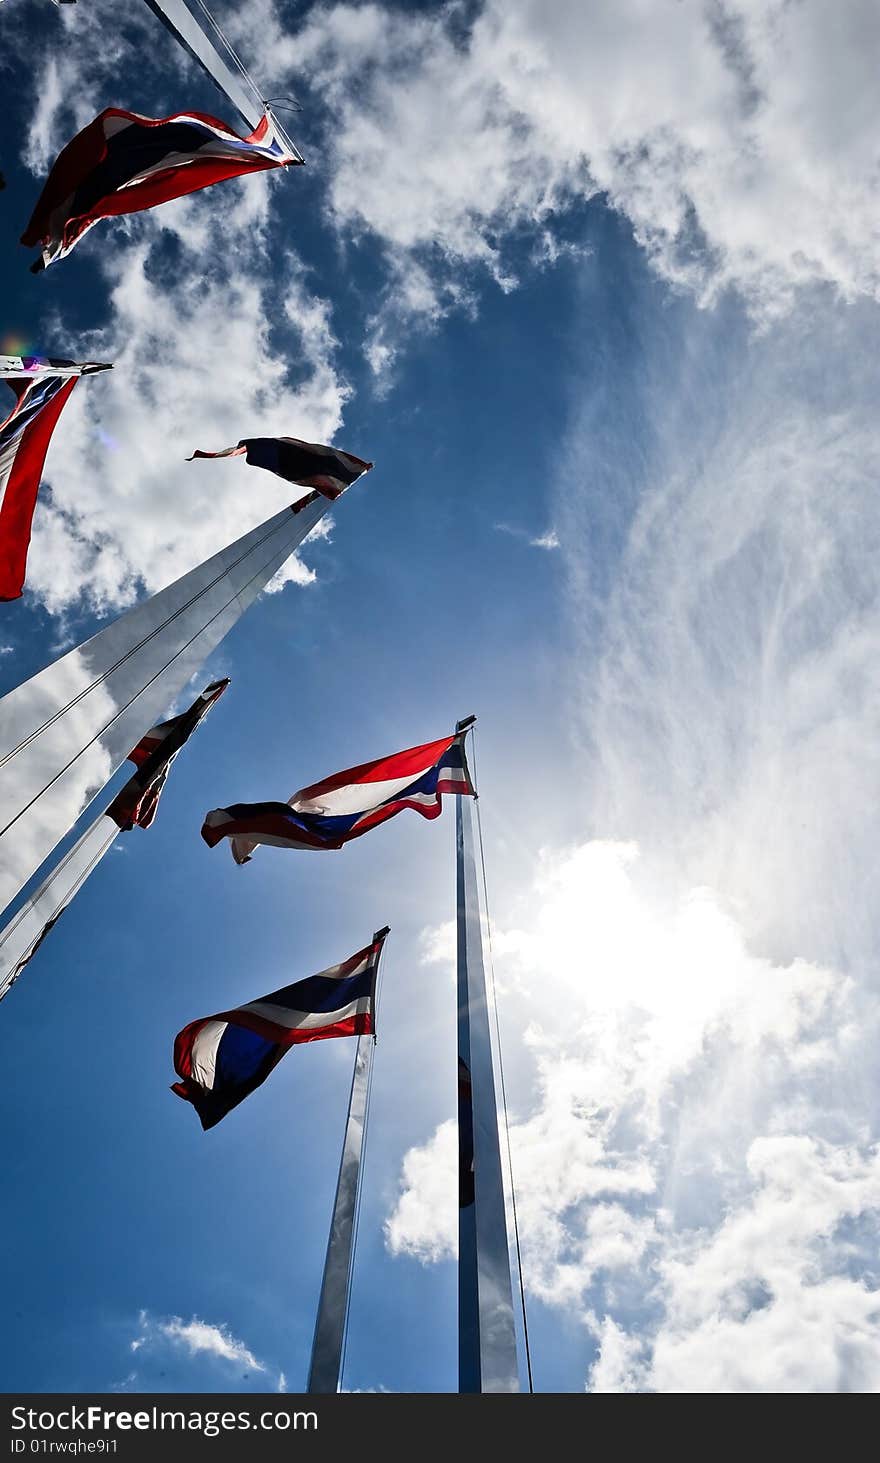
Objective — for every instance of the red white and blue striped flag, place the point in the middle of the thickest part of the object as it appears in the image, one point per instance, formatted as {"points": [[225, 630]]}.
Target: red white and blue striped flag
{"points": [[221, 1059], [136, 803], [123, 163], [42, 386], [331, 813]]}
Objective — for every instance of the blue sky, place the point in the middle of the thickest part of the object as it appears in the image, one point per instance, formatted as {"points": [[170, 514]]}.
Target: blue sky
{"points": [[611, 344]]}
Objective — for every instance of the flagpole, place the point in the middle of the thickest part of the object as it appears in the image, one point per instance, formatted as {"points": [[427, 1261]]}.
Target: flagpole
{"points": [[23, 934], [487, 1354], [64, 732], [325, 1369]]}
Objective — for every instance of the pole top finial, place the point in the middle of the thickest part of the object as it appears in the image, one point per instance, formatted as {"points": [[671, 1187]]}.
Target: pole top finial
{"points": [[463, 725]]}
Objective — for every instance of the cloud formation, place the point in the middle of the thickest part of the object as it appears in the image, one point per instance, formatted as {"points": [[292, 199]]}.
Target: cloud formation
{"points": [[197, 1354], [694, 1177], [735, 135]]}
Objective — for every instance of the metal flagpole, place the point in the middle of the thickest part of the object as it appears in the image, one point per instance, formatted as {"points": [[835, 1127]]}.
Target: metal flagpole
{"points": [[23, 934], [236, 84], [64, 732], [487, 1355], [325, 1369]]}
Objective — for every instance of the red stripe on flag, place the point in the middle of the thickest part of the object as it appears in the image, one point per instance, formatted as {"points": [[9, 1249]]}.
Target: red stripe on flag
{"points": [[411, 763], [20, 498], [357, 1025]]}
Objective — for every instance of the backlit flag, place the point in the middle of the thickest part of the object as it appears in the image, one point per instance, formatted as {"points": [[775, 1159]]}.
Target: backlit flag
{"points": [[123, 163], [221, 1059], [138, 800], [331, 813], [41, 387], [328, 470]]}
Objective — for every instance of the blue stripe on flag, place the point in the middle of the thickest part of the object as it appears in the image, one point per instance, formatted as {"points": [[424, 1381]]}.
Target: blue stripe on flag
{"points": [[321, 993]]}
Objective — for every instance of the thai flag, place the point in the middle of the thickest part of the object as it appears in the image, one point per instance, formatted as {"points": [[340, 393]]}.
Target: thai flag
{"points": [[331, 813], [221, 1059], [42, 387], [328, 470], [123, 163], [137, 801]]}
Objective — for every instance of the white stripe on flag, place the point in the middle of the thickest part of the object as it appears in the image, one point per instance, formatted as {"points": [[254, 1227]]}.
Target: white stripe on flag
{"points": [[357, 797], [283, 1017], [204, 1052]]}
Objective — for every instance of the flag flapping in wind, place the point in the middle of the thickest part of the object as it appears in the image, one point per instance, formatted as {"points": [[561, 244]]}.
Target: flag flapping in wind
{"points": [[221, 1059], [328, 470], [138, 800], [41, 386], [331, 813], [123, 163]]}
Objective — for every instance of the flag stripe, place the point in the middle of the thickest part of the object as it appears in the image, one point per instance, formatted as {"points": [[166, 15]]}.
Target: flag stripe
{"points": [[24, 442]]}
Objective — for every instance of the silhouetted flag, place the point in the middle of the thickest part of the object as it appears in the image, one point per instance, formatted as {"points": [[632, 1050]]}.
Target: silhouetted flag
{"points": [[138, 800], [328, 470]]}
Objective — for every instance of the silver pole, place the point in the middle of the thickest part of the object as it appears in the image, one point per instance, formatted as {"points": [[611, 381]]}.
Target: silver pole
{"points": [[487, 1356], [64, 732], [24, 933], [325, 1370], [236, 85]]}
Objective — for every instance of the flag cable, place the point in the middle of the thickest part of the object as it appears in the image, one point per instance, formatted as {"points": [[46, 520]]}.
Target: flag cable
{"points": [[360, 1186], [144, 687], [519, 1265]]}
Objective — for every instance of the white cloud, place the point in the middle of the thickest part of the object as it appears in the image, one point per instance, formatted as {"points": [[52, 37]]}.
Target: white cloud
{"points": [[198, 1336], [127, 512], [766, 1302], [437, 945], [166, 1344], [548, 540], [424, 1222], [696, 1130], [736, 135], [725, 681]]}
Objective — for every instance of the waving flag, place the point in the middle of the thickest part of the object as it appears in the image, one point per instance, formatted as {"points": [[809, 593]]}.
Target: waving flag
{"points": [[137, 802], [123, 163], [41, 386], [221, 1059], [333, 812], [326, 469]]}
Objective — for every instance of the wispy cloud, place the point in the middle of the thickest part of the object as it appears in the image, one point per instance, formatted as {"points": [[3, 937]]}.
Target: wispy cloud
{"points": [[164, 1345], [548, 540], [732, 137]]}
